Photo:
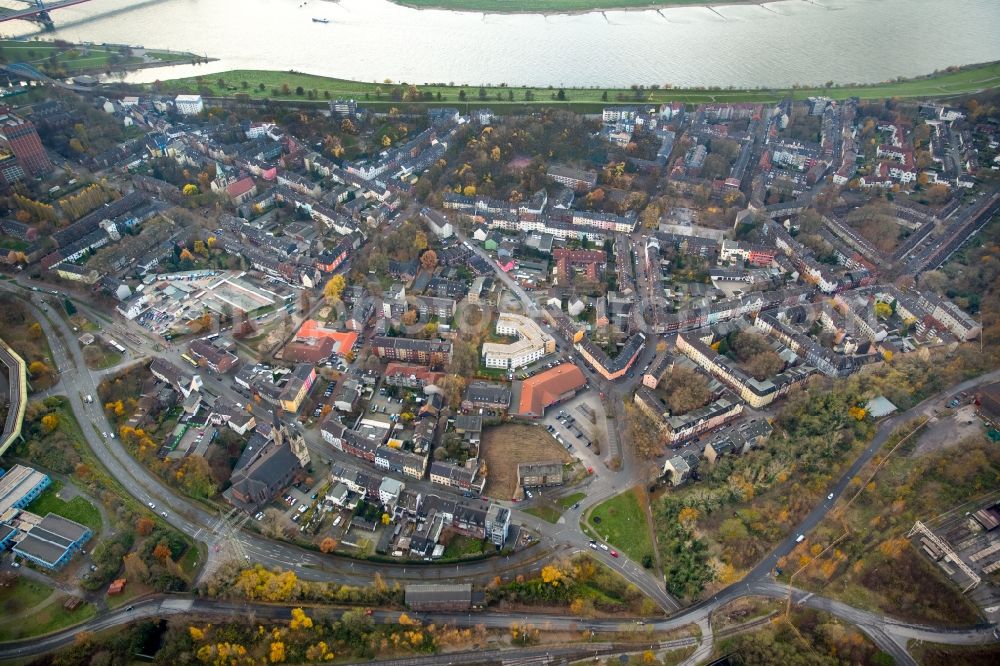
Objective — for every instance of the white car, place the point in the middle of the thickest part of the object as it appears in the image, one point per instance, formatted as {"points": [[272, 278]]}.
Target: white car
{"points": [[151, 505], [830, 496], [604, 546]]}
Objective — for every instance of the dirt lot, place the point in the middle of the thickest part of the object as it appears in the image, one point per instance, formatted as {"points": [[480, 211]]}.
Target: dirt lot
{"points": [[507, 445], [949, 429]]}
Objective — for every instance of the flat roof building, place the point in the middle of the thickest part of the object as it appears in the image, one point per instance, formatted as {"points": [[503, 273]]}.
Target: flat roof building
{"points": [[20, 487], [51, 542]]}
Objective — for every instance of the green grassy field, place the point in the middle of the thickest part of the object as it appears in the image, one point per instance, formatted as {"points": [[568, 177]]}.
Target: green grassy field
{"points": [[78, 58], [27, 594], [463, 546], [546, 6], [622, 524], [47, 619], [570, 500], [546, 512], [77, 509], [248, 82]]}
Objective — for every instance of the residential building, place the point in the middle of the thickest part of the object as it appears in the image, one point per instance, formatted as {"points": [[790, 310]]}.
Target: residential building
{"points": [[189, 105], [532, 343], [486, 395], [21, 139], [613, 368], [409, 375], [757, 393], [412, 350], [540, 474], [679, 469], [497, 524], [576, 179]]}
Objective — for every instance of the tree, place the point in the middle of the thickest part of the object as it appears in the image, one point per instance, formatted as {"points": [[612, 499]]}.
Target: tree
{"points": [[552, 575], [276, 654], [409, 317], [429, 260], [190, 190], [883, 310], [35, 330], [186, 255], [161, 551], [300, 620], [195, 477], [144, 526], [37, 368], [135, 569], [199, 247], [50, 422], [334, 288], [453, 387], [420, 241], [328, 545]]}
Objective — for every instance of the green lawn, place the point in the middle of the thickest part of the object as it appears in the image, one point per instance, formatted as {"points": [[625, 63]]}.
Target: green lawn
{"points": [[570, 500], [49, 618], [27, 594], [77, 509], [544, 6], [546, 512], [463, 546], [248, 82], [621, 522]]}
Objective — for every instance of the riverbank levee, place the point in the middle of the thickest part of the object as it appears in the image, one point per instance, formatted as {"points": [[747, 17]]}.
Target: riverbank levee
{"points": [[775, 44], [305, 87], [556, 6]]}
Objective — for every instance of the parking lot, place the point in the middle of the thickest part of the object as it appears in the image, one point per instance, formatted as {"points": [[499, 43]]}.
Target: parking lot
{"points": [[580, 426]]}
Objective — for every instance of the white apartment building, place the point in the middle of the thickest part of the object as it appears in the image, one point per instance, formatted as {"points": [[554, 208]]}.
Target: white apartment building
{"points": [[532, 343]]}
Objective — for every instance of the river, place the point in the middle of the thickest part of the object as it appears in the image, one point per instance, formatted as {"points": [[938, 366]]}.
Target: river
{"points": [[771, 44]]}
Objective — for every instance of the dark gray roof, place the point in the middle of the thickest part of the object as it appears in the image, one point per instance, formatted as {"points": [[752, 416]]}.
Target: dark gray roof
{"points": [[434, 592]]}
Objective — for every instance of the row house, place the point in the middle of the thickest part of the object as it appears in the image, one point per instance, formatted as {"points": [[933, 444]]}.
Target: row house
{"points": [[401, 462], [412, 350], [756, 393], [676, 429], [462, 477]]}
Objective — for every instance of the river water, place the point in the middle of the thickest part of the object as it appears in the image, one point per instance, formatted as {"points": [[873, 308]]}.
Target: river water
{"points": [[771, 44]]}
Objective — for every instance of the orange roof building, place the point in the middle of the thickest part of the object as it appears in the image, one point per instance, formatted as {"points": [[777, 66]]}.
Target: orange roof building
{"points": [[533, 395], [117, 586], [342, 340]]}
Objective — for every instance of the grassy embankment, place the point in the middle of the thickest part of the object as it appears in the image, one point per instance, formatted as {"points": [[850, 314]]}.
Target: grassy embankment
{"points": [[621, 522], [548, 6], [69, 59], [284, 85]]}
